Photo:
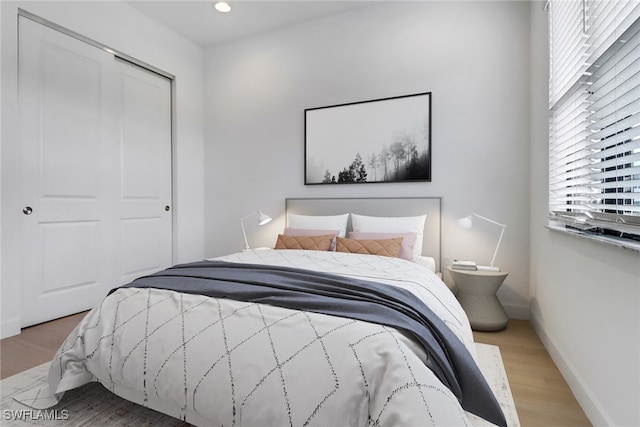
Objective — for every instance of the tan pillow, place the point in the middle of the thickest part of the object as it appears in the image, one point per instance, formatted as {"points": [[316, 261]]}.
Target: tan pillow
{"points": [[308, 232], [313, 243], [406, 247], [385, 247]]}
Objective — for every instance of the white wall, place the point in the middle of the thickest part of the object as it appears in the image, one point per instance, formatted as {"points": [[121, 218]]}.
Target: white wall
{"points": [[472, 56], [585, 295], [123, 28]]}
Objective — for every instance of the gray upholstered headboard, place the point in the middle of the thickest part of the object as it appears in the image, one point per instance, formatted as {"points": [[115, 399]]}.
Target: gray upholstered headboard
{"points": [[383, 206]]}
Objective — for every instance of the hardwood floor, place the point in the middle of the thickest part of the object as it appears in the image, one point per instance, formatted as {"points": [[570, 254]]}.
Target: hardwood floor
{"points": [[541, 395], [35, 345]]}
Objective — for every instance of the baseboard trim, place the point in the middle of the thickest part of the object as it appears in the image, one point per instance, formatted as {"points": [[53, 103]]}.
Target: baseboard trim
{"points": [[9, 327], [583, 394]]}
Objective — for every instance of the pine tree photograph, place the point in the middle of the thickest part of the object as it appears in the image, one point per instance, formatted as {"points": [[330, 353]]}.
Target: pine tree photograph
{"points": [[383, 140]]}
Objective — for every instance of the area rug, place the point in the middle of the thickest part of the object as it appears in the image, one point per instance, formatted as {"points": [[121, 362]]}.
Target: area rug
{"points": [[93, 405]]}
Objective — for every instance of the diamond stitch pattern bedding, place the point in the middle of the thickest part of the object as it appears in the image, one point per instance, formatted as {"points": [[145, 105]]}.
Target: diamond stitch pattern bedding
{"points": [[218, 361]]}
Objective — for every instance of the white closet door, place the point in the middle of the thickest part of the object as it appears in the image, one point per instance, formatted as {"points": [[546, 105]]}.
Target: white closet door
{"points": [[64, 88], [81, 153], [144, 196]]}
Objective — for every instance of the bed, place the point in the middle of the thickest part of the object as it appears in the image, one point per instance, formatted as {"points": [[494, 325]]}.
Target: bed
{"points": [[275, 337]]}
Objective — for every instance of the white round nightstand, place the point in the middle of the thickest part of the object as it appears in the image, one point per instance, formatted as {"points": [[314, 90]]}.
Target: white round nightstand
{"points": [[477, 296]]}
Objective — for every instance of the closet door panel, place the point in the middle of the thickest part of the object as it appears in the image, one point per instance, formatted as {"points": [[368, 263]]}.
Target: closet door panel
{"points": [[70, 123], [142, 240], [56, 253], [144, 133]]}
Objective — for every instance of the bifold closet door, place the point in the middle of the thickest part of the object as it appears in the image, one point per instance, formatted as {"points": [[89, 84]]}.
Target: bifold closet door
{"points": [[84, 138]]}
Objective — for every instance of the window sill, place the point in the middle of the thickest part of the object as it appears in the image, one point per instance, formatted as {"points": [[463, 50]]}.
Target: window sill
{"points": [[609, 240]]}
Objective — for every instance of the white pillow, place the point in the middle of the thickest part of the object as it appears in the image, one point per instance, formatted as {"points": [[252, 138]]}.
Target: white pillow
{"points": [[400, 224], [324, 222]]}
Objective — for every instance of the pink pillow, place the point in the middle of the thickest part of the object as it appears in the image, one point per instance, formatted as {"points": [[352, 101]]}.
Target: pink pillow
{"points": [[406, 247], [309, 232]]}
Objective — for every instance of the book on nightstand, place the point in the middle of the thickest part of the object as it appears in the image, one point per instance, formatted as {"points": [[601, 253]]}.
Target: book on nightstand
{"points": [[464, 265]]}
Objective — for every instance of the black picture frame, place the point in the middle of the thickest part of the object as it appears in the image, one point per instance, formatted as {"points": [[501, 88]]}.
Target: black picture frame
{"points": [[376, 141]]}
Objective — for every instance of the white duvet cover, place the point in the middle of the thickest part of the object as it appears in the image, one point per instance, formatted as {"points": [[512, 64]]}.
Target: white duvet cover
{"points": [[219, 362]]}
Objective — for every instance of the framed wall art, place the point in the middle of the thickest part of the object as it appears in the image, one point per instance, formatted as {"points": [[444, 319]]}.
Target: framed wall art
{"points": [[382, 140]]}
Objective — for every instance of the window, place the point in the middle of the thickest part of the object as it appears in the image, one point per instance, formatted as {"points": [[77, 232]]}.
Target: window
{"points": [[594, 120]]}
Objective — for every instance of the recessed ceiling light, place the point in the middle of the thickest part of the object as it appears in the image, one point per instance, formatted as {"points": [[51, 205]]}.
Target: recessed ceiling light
{"points": [[222, 6]]}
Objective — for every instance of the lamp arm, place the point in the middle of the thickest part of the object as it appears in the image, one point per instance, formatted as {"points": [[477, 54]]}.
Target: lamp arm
{"points": [[498, 245], [244, 234], [489, 220]]}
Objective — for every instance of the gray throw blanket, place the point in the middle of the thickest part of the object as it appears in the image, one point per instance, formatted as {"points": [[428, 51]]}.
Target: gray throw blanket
{"points": [[345, 297]]}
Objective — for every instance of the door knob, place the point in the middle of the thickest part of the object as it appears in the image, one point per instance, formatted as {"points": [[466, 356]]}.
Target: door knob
{"points": [[27, 210], [167, 208]]}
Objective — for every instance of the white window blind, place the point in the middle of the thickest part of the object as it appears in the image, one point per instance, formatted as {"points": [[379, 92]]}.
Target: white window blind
{"points": [[594, 122]]}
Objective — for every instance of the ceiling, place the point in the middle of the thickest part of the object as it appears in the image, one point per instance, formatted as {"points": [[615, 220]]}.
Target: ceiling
{"points": [[201, 23]]}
